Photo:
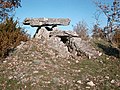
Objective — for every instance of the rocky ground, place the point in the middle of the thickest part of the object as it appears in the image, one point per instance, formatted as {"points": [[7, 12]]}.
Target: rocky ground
{"points": [[36, 66]]}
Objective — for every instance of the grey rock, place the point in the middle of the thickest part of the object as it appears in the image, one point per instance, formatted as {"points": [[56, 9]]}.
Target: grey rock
{"points": [[36, 61], [56, 80], [77, 45], [37, 22], [59, 33], [42, 33], [21, 45], [61, 49], [90, 83]]}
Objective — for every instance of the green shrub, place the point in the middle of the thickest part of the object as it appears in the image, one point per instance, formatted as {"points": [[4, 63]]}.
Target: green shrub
{"points": [[10, 36]]}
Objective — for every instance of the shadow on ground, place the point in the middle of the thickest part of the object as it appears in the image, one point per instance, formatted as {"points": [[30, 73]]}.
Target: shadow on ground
{"points": [[109, 50]]}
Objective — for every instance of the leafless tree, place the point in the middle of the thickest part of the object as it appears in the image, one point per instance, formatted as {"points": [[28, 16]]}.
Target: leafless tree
{"points": [[7, 6], [112, 12], [81, 29]]}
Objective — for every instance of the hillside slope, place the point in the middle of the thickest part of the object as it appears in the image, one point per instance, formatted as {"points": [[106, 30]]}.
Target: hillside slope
{"points": [[35, 66]]}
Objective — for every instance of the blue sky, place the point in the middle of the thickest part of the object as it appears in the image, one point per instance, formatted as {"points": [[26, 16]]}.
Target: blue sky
{"points": [[76, 10]]}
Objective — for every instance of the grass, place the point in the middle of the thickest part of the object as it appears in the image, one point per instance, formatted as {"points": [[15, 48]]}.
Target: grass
{"points": [[63, 74], [100, 71]]}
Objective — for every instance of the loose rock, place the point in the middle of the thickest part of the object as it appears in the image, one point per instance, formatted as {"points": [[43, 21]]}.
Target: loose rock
{"points": [[90, 83]]}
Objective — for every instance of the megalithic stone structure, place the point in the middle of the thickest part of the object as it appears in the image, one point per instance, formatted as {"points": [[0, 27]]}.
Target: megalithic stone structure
{"points": [[45, 25], [65, 42]]}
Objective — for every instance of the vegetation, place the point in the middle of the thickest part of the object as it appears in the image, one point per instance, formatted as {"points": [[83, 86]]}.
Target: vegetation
{"points": [[112, 12], [81, 29], [98, 32], [10, 36], [116, 38], [7, 6], [28, 71], [35, 66]]}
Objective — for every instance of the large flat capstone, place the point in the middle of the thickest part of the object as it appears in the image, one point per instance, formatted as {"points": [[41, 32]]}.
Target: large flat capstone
{"points": [[37, 22]]}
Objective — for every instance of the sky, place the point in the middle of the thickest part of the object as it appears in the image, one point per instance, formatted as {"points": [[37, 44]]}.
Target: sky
{"points": [[76, 10]]}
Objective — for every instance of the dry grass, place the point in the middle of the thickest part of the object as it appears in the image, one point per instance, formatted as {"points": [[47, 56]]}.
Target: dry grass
{"points": [[34, 68]]}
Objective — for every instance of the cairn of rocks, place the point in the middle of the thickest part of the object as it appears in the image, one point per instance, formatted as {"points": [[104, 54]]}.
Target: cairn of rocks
{"points": [[65, 42]]}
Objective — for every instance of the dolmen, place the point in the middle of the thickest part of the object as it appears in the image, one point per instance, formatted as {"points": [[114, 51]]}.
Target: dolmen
{"points": [[65, 42]]}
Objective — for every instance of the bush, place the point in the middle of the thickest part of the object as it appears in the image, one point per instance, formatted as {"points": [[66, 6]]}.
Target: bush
{"points": [[98, 32], [116, 38], [81, 29], [10, 36]]}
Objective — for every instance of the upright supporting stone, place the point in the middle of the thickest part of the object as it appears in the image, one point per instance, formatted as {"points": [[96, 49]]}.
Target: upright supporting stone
{"points": [[42, 33]]}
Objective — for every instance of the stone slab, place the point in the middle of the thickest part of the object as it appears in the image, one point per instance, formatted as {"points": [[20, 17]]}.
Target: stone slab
{"points": [[37, 22]]}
